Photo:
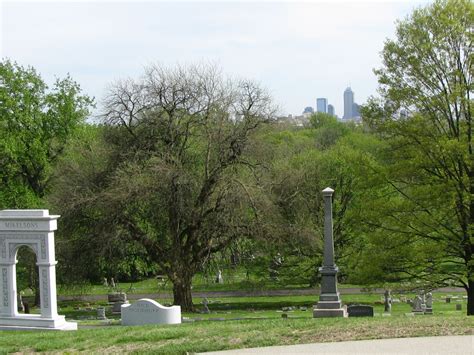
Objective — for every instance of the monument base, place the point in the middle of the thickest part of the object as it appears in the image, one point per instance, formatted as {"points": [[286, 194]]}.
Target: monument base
{"points": [[324, 313], [35, 322]]}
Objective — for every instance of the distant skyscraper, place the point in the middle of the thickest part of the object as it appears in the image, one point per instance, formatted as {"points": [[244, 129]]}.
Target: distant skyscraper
{"points": [[331, 110], [355, 110], [308, 109], [348, 104], [322, 105]]}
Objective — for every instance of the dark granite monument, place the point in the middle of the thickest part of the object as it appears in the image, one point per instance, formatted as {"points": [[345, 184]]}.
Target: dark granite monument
{"points": [[329, 304], [360, 311]]}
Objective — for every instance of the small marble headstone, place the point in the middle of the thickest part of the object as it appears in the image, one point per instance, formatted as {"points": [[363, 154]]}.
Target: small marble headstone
{"points": [[429, 303], [423, 300], [205, 302], [219, 279], [417, 306], [21, 306], [101, 313]]}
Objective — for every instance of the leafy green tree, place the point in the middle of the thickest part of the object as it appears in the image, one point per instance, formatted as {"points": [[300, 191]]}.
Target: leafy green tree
{"points": [[425, 116], [83, 253], [35, 125], [299, 164]]}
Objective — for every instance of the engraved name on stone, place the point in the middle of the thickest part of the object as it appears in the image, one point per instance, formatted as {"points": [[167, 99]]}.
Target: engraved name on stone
{"points": [[140, 307], [20, 225]]}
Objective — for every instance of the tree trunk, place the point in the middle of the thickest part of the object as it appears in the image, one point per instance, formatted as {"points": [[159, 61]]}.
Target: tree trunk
{"points": [[182, 293], [470, 298]]}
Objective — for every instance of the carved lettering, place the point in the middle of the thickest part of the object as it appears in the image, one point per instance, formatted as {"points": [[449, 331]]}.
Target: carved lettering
{"points": [[5, 286], [3, 247], [21, 225]]}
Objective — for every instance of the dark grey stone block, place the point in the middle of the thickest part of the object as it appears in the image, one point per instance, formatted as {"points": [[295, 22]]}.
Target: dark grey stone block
{"points": [[360, 311]]}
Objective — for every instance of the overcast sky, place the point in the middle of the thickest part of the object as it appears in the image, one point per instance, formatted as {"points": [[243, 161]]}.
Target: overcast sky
{"points": [[297, 50]]}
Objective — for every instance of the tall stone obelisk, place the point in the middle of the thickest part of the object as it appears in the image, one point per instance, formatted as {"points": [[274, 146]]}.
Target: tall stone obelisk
{"points": [[329, 304]]}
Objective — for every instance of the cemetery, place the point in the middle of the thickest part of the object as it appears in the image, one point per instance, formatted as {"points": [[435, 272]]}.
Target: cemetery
{"points": [[178, 208], [370, 310]]}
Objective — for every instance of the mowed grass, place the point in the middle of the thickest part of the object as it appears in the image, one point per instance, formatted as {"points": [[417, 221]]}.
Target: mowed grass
{"points": [[209, 336], [234, 280], [269, 328], [271, 306]]}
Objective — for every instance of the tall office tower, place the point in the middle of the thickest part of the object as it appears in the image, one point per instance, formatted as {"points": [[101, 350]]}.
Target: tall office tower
{"points": [[322, 105], [331, 110], [348, 104], [355, 110], [308, 109]]}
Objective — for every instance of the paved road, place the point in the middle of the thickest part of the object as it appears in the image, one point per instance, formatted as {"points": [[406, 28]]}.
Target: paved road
{"points": [[243, 293], [452, 345]]}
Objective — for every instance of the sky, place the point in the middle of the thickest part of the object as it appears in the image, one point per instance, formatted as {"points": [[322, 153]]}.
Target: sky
{"points": [[299, 51]]}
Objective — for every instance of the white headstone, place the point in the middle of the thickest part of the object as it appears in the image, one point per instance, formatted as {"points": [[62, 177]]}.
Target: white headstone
{"points": [[417, 304], [147, 311]]}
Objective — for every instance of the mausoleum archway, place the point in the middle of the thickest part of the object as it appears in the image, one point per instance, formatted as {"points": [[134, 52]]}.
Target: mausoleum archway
{"points": [[27, 279], [34, 229]]}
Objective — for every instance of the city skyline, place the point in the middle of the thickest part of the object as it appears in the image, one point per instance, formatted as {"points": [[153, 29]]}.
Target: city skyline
{"points": [[350, 107], [292, 49]]}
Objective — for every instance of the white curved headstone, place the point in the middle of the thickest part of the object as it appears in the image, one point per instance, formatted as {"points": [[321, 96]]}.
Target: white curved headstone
{"points": [[147, 311]]}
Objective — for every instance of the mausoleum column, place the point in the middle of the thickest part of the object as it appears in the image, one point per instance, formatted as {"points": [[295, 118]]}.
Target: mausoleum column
{"points": [[8, 302], [47, 284]]}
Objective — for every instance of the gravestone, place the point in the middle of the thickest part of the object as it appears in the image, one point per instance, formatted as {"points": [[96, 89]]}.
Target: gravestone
{"points": [[360, 311], [387, 301], [423, 301], [429, 303], [329, 304], [117, 299], [34, 229], [219, 278], [458, 307], [205, 303], [101, 313], [147, 311], [21, 306], [417, 306]]}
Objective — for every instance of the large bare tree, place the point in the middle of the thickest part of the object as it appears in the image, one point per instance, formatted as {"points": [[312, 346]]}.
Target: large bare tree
{"points": [[179, 182]]}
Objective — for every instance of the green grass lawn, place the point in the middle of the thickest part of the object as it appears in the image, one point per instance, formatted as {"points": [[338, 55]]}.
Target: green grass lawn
{"points": [[271, 307], [208, 336], [262, 325], [235, 280]]}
